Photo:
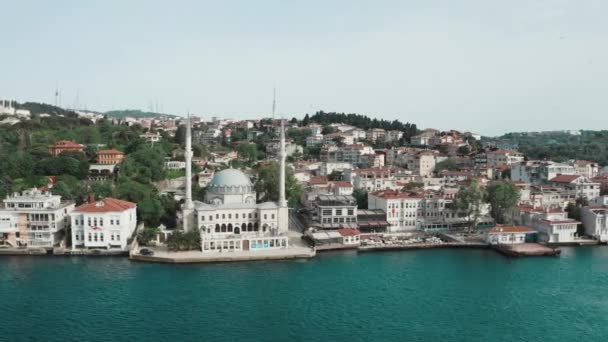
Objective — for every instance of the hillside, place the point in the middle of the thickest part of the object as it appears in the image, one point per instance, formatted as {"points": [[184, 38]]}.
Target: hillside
{"points": [[136, 113]]}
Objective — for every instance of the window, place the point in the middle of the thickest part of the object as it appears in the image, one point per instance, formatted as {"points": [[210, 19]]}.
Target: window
{"points": [[118, 237], [111, 222], [101, 237], [339, 212], [95, 237], [202, 217], [89, 221], [265, 216], [101, 221], [272, 216], [89, 237], [117, 222]]}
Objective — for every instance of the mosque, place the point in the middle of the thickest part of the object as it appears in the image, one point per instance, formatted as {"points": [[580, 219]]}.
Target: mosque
{"points": [[229, 218]]}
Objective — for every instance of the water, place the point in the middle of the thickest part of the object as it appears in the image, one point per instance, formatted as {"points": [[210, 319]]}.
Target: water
{"points": [[434, 295]]}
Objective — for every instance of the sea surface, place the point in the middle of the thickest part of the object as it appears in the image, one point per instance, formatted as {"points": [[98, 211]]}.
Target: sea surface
{"points": [[431, 295]]}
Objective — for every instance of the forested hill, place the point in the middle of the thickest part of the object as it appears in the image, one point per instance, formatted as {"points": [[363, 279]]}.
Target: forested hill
{"points": [[135, 113], [561, 146], [361, 121]]}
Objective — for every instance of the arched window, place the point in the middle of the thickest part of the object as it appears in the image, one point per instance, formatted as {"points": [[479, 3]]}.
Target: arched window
{"points": [[264, 227], [217, 228], [230, 227], [223, 228], [243, 227], [250, 227], [256, 227]]}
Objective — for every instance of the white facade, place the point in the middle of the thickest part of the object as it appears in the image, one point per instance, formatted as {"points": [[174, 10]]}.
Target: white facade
{"points": [[230, 220], [106, 223], [34, 219], [595, 221], [506, 235]]}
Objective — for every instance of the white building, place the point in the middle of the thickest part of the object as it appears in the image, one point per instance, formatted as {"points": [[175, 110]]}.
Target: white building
{"points": [[34, 219], [107, 223], [326, 168], [595, 219], [583, 186], [375, 179], [507, 235], [501, 158], [175, 165], [151, 137], [539, 172], [585, 168], [229, 218], [552, 224]]}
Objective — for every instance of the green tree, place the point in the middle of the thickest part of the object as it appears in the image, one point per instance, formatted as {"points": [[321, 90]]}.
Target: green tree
{"points": [[448, 164], [150, 210], [335, 175], [502, 196], [146, 235], [469, 201], [360, 196], [248, 152], [101, 189], [267, 184]]}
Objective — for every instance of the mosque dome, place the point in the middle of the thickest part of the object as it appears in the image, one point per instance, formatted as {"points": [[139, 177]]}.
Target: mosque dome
{"points": [[230, 178]]}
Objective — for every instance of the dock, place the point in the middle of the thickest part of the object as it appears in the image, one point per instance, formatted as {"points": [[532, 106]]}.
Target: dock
{"points": [[526, 249]]}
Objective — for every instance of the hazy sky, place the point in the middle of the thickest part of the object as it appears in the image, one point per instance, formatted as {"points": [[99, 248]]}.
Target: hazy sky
{"points": [[481, 65]]}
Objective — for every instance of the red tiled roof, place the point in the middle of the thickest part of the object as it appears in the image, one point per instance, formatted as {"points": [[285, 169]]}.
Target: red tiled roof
{"points": [[564, 178], [318, 180], [342, 184], [67, 143], [110, 151], [106, 205], [393, 194], [348, 232]]}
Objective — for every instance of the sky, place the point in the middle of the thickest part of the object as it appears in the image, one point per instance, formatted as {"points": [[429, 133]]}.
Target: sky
{"points": [[486, 66]]}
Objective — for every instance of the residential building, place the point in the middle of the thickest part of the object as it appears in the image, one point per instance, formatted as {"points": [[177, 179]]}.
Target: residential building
{"points": [[110, 157], [551, 196], [393, 136], [151, 137], [402, 209], [375, 179], [552, 224], [595, 219], [349, 154], [421, 163], [500, 158], [65, 146], [34, 218], [585, 168], [314, 140], [175, 165], [539, 172], [326, 168], [338, 137], [106, 223], [376, 134], [334, 212], [584, 187]]}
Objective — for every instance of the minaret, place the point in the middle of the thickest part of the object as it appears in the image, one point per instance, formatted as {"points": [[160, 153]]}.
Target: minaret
{"points": [[188, 206], [282, 201]]}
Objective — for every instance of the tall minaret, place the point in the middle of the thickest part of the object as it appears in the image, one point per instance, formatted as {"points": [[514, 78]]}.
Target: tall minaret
{"points": [[274, 100], [188, 207], [282, 201]]}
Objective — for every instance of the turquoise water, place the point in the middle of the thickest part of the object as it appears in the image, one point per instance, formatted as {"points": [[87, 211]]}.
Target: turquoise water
{"points": [[434, 295]]}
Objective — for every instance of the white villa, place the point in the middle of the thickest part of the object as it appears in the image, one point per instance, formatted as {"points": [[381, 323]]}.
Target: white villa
{"points": [[106, 223]]}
